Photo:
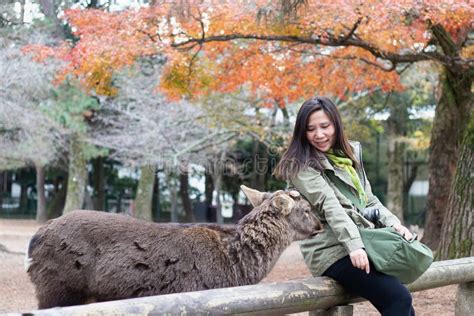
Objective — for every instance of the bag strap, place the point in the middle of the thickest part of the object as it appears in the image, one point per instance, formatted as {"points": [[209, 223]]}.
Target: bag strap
{"points": [[348, 193], [345, 190]]}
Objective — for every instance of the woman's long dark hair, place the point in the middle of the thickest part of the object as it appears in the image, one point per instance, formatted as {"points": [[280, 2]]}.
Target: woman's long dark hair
{"points": [[301, 154]]}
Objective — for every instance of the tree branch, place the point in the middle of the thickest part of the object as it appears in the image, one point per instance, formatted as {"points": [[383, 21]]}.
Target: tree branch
{"points": [[445, 40], [352, 31], [329, 41]]}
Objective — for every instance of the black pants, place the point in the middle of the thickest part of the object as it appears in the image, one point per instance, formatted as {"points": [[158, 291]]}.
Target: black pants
{"points": [[385, 292]]}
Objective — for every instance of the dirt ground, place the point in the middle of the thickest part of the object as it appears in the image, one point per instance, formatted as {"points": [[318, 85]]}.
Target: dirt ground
{"points": [[17, 293]]}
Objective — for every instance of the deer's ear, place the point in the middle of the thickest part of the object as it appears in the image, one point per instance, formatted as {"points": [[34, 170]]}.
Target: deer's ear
{"points": [[283, 203], [255, 197]]}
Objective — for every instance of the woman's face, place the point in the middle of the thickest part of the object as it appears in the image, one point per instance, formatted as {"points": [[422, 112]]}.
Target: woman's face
{"points": [[320, 131]]}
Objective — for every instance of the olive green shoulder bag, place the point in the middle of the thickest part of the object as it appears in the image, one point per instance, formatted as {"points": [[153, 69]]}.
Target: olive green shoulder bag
{"points": [[390, 252]]}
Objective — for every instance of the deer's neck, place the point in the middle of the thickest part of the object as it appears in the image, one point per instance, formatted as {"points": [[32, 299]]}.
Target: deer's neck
{"points": [[257, 248]]}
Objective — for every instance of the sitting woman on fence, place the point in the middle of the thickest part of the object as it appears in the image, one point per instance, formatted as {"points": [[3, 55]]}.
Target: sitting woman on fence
{"points": [[321, 163]]}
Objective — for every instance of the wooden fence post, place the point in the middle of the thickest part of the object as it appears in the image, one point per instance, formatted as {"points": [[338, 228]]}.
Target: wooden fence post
{"points": [[341, 310], [465, 299]]}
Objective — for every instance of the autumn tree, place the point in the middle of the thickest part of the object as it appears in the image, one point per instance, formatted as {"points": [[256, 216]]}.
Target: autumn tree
{"points": [[382, 34]]}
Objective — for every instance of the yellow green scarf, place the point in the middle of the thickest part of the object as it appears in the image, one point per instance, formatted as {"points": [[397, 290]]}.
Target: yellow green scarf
{"points": [[346, 164]]}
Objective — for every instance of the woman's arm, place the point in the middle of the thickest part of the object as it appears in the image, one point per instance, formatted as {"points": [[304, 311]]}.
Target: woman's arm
{"points": [[317, 191]]}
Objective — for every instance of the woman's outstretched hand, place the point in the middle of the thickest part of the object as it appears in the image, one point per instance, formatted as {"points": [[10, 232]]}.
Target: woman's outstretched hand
{"points": [[402, 230], [360, 260]]}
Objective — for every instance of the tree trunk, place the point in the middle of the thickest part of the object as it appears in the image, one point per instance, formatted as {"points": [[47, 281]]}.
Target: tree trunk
{"points": [[77, 179], [41, 214], [396, 130], [208, 188], [98, 197], [23, 203], [143, 199], [262, 167], [88, 203], [456, 233], [286, 117], [22, 11], [155, 204], [396, 153], [2, 187], [184, 193], [93, 4], [451, 118], [217, 181], [259, 171], [50, 11], [8, 182], [409, 179], [172, 188], [59, 200], [119, 202]]}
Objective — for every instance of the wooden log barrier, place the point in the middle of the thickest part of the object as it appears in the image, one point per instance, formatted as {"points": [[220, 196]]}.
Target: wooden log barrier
{"points": [[269, 298]]}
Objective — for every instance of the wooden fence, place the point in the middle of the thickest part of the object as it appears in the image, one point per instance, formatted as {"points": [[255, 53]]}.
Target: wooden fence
{"points": [[321, 296]]}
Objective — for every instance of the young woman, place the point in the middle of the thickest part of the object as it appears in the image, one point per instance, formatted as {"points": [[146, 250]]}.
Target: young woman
{"points": [[325, 167]]}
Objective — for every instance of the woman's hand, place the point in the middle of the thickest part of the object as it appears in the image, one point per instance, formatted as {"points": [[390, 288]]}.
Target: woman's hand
{"points": [[402, 230], [360, 260]]}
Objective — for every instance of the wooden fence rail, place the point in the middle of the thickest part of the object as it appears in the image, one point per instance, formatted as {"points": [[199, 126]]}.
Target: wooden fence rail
{"points": [[313, 294]]}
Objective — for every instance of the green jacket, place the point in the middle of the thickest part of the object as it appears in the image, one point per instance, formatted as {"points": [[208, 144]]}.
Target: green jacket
{"points": [[340, 235]]}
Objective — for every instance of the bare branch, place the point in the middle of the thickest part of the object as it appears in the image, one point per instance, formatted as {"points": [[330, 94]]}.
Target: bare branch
{"points": [[27, 134]]}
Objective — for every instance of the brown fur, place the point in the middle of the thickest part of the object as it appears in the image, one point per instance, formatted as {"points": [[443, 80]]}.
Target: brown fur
{"points": [[96, 256]]}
